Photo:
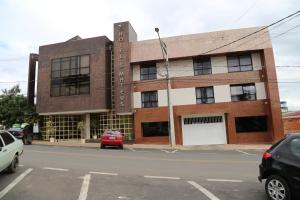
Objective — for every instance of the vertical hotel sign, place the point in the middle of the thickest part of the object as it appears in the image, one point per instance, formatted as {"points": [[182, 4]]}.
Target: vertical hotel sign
{"points": [[122, 62]]}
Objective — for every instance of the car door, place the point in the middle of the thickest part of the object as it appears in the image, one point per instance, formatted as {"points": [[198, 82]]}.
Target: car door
{"points": [[294, 169], [2, 155], [8, 149]]}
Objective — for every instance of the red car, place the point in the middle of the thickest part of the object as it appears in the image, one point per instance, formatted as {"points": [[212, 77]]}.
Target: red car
{"points": [[112, 138]]}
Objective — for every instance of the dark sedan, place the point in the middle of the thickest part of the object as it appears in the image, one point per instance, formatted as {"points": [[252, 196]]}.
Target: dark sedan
{"points": [[25, 134], [281, 168]]}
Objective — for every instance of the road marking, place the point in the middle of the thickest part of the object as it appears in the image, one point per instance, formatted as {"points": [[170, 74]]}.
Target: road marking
{"points": [[163, 177], [56, 169], [21, 165], [225, 180], [104, 173], [84, 187], [203, 190], [131, 149], [244, 152], [172, 151], [14, 183]]}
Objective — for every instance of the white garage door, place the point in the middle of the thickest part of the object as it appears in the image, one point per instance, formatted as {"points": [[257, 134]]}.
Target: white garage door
{"points": [[204, 130]]}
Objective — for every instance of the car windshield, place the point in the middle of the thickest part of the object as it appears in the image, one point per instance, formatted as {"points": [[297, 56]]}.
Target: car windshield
{"points": [[14, 129], [276, 144], [112, 132]]}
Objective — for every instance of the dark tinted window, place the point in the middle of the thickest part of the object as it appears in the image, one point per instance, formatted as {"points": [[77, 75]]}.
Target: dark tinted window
{"points": [[7, 138], [251, 124], [148, 71], [205, 95], [70, 76], [245, 92], [239, 63], [153, 129], [295, 146], [202, 66], [149, 99]]}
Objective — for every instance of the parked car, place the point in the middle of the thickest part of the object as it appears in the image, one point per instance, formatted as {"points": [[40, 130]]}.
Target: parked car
{"points": [[10, 150], [281, 168], [25, 133], [112, 138]]}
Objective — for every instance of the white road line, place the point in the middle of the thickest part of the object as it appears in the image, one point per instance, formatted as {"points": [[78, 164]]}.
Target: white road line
{"points": [[104, 173], [163, 177], [56, 169], [203, 190], [225, 180], [21, 165], [131, 149], [171, 151], [14, 183], [84, 187], [244, 152]]}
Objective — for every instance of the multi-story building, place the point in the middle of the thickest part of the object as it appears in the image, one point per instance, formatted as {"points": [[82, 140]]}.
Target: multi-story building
{"points": [[223, 88]]}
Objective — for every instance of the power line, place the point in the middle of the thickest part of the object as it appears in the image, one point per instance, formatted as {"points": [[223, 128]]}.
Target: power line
{"points": [[250, 34], [244, 13]]}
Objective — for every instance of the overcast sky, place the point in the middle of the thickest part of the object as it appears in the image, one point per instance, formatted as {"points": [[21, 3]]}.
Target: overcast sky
{"points": [[25, 25]]}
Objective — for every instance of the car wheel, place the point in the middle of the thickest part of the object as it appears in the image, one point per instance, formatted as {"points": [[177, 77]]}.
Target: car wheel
{"points": [[14, 165], [102, 146], [277, 188], [121, 146]]}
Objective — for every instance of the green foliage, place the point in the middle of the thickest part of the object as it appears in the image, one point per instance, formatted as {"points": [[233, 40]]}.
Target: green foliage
{"points": [[14, 109], [81, 127], [50, 129]]}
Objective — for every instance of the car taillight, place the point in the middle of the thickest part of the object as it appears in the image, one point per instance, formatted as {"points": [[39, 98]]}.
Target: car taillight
{"points": [[267, 155]]}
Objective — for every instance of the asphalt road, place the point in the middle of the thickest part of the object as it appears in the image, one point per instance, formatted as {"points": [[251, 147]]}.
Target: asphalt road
{"points": [[51, 172]]}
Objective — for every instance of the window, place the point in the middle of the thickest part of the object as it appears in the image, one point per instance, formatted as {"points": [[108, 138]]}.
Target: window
{"points": [[149, 99], [202, 66], [205, 95], [148, 71], [239, 63], [245, 92], [154, 129], [251, 124], [70, 76], [7, 138], [295, 147]]}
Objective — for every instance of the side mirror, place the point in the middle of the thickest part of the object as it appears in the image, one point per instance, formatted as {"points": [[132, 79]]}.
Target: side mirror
{"points": [[123, 134]]}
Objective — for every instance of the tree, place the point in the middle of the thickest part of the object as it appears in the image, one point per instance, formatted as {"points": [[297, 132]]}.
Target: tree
{"points": [[14, 108]]}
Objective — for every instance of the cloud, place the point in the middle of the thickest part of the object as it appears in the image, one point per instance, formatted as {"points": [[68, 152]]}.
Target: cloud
{"points": [[25, 25]]}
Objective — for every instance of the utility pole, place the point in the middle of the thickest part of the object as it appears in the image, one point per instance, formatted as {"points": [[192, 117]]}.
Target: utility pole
{"points": [[171, 131]]}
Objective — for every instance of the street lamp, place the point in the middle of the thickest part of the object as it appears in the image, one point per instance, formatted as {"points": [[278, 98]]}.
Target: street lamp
{"points": [[164, 51]]}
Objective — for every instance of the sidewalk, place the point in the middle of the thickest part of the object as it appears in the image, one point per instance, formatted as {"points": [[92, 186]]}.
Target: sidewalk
{"points": [[77, 143]]}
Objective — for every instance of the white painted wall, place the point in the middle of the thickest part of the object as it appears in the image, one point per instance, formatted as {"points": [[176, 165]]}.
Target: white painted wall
{"points": [[183, 96], [162, 98], [136, 73], [177, 68], [256, 61], [260, 90], [219, 64], [137, 100], [222, 93]]}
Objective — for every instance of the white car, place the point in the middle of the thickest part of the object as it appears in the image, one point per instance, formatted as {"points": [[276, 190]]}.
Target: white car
{"points": [[10, 150]]}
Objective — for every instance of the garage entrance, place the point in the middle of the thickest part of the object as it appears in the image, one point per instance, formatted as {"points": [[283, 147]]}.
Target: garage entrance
{"points": [[200, 130]]}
